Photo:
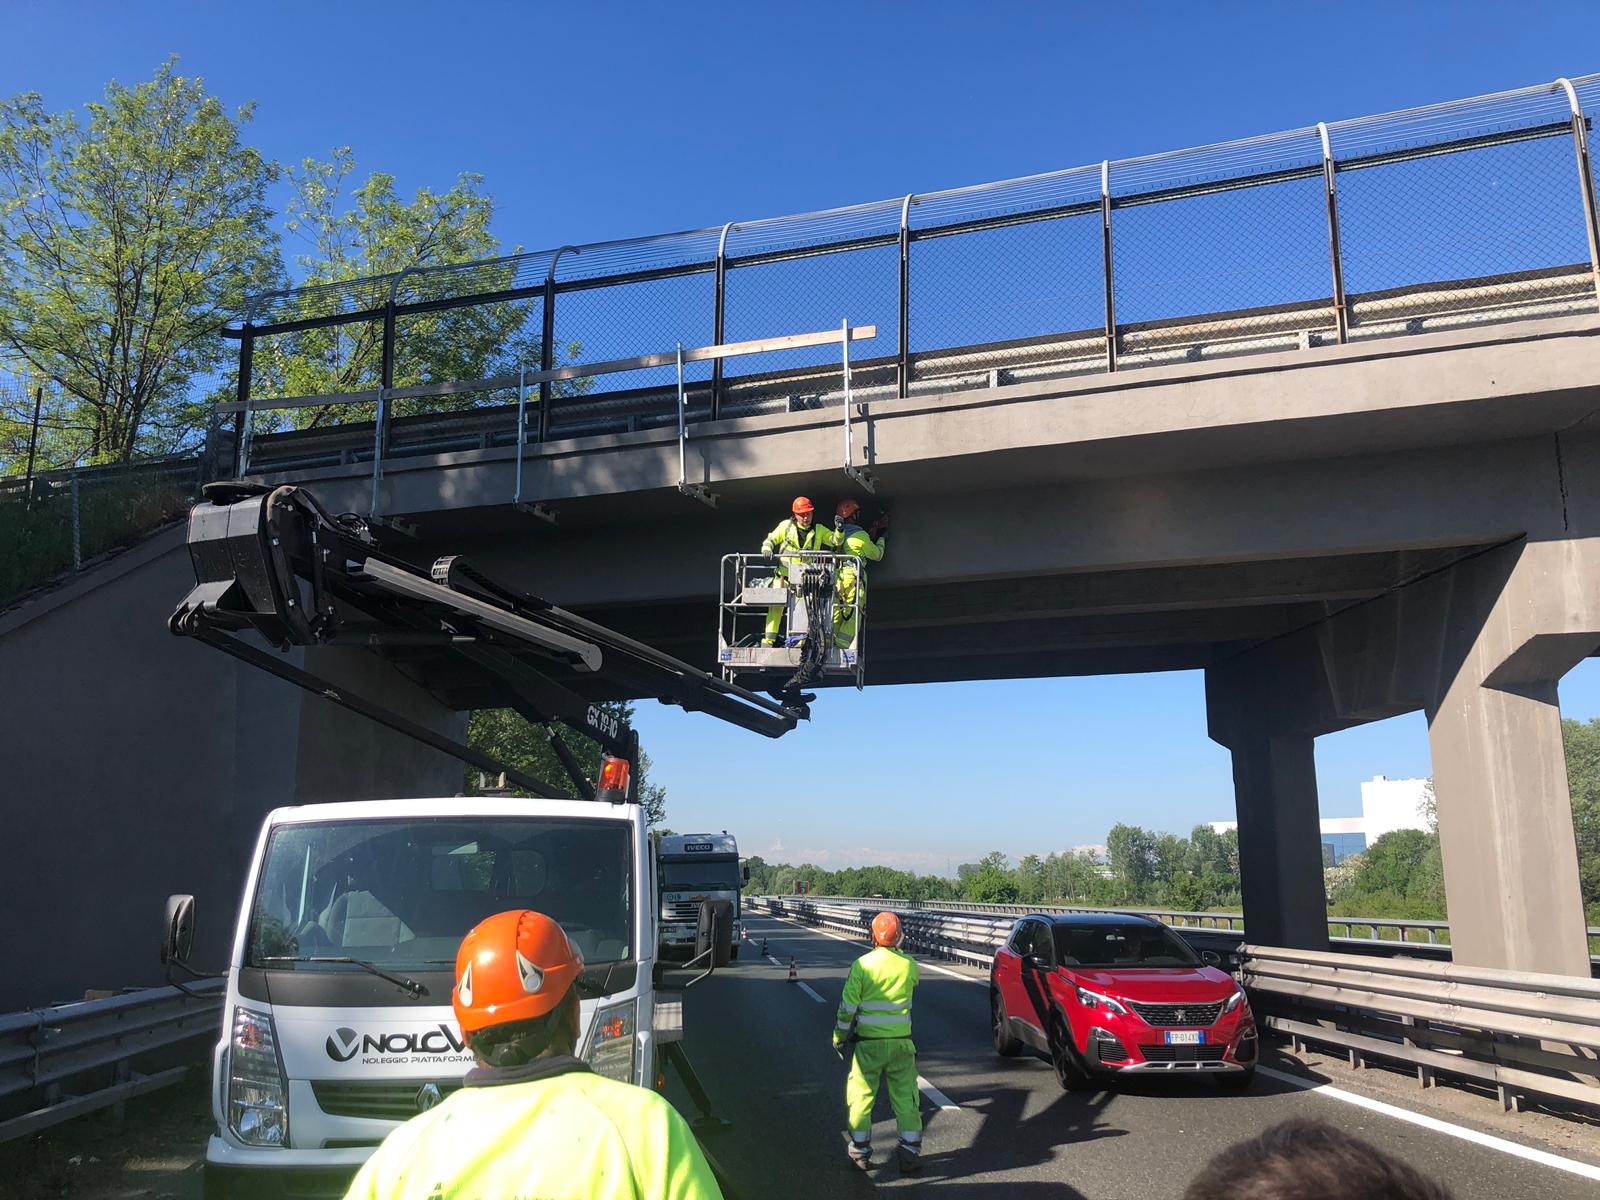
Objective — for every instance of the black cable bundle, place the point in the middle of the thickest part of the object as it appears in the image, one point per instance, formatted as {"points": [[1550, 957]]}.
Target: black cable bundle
{"points": [[816, 588]]}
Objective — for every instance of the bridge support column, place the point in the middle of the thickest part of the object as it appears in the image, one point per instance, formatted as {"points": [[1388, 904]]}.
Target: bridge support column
{"points": [[1280, 843], [1505, 812]]}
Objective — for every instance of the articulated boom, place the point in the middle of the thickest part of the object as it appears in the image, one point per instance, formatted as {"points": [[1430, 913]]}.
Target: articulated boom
{"points": [[274, 561]]}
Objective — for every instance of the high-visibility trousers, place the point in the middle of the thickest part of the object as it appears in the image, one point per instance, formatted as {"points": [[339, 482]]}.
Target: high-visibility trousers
{"points": [[846, 607], [875, 1058]]}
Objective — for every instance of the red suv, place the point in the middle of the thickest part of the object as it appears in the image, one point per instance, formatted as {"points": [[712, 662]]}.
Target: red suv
{"points": [[1114, 993]]}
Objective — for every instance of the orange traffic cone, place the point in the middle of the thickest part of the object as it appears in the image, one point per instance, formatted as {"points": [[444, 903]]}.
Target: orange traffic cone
{"points": [[793, 975]]}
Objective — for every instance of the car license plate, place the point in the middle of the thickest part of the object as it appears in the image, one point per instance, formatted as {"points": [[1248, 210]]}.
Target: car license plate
{"points": [[1185, 1037]]}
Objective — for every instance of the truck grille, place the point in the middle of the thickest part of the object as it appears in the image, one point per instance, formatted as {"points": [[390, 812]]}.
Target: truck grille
{"points": [[388, 1101], [681, 910], [1175, 1015], [1182, 1053]]}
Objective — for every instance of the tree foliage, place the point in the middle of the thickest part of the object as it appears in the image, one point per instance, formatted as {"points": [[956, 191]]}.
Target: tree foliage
{"points": [[368, 230], [127, 235], [505, 734]]}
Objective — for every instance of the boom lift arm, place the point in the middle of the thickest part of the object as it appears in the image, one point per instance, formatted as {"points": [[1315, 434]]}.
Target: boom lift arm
{"points": [[275, 562]]}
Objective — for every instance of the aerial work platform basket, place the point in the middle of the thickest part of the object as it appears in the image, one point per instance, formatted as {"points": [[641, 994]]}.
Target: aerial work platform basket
{"points": [[815, 591]]}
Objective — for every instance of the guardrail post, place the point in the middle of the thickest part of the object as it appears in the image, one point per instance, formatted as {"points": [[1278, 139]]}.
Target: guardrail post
{"points": [[386, 368], [1330, 190], [905, 297], [719, 313], [1105, 252], [1591, 212], [241, 420]]}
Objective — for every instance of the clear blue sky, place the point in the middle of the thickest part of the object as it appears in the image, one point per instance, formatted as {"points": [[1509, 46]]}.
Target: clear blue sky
{"points": [[602, 121]]}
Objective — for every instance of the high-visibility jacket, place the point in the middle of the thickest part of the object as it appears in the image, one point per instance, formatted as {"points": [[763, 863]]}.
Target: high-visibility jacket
{"points": [[787, 535], [877, 995], [568, 1135]]}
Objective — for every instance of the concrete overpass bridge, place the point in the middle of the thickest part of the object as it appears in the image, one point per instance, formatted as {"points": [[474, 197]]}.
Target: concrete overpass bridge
{"points": [[1314, 413]]}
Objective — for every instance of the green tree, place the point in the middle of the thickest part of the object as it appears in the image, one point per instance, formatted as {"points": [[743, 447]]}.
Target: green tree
{"points": [[992, 882], [1132, 852], [1031, 879], [506, 735], [1582, 743], [370, 231], [127, 236]]}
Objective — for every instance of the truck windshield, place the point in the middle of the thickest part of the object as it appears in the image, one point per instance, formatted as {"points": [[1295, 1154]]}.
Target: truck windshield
{"points": [[401, 894], [700, 875]]}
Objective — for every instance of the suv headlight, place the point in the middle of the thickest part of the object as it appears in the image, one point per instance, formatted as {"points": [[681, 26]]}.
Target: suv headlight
{"points": [[1234, 1001], [258, 1101], [1095, 1000], [612, 1042]]}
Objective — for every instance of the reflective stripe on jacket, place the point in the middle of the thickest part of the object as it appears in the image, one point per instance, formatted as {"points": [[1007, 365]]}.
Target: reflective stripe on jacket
{"points": [[877, 995], [575, 1136]]}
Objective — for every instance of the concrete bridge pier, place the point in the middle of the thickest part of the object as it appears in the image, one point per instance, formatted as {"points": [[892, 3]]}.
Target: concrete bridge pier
{"points": [[1479, 646], [1280, 847], [1524, 618]]}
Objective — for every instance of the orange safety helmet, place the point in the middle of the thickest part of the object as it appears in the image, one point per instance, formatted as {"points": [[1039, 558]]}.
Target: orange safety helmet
{"points": [[802, 506], [848, 510], [887, 930], [513, 966]]}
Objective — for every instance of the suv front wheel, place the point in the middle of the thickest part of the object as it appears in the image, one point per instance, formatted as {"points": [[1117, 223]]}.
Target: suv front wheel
{"points": [[1006, 1044]]}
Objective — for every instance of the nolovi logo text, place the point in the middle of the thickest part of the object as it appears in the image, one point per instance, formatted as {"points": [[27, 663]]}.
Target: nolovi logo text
{"points": [[345, 1043]]}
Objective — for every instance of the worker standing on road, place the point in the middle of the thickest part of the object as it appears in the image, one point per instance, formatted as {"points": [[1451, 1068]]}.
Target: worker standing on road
{"points": [[850, 593], [531, 1119], [798, 532], [875, 1013]]}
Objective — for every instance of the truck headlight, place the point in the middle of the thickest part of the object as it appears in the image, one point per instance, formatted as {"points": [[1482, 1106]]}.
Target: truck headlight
{"points": [[258, 1102], [612, 1041]]}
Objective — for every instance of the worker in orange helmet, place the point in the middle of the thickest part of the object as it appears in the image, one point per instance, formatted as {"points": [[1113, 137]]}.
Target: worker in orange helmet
{"points": [[797, 532], [850, 592], [530, 1118], [875, 1014]]}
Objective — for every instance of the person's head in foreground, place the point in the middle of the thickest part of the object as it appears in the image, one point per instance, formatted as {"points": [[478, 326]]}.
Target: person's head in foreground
{"points": [[1310, 1160], [514, 998]]}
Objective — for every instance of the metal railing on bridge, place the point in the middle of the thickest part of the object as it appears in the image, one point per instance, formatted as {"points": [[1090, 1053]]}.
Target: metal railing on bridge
{"points": [[1456, 214]]}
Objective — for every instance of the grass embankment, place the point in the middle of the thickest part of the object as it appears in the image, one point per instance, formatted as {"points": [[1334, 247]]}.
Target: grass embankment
{"points": [[36, 542]]}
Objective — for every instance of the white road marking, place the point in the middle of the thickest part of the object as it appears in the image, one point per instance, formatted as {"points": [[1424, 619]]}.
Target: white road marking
{"points": [[1489, 1141], [804, 986], [938, 1097]]}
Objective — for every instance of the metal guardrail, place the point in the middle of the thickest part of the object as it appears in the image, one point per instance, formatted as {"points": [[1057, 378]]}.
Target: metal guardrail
{"points": [[1516, 1031], [61, 1062]]}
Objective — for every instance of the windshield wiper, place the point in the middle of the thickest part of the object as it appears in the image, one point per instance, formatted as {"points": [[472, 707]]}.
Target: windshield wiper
{"points": [[415, 989]]}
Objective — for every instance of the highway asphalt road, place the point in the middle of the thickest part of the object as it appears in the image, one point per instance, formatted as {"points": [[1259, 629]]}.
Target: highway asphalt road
{"points": [[1004, 1127]]}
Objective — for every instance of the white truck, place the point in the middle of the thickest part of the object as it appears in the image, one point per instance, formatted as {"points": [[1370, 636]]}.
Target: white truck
{"points": [[696, 868], [337, 1023]]}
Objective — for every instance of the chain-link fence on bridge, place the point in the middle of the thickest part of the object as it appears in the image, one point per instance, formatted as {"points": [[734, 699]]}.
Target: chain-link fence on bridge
{"points": [[1450, 216]]}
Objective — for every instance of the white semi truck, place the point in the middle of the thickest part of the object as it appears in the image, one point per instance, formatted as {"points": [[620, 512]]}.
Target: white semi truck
{"points": [[697, 868], [337, 1023]]}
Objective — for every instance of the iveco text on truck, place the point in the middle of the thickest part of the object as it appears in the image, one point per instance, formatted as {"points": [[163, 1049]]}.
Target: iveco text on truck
{"points": [[696, 868]]}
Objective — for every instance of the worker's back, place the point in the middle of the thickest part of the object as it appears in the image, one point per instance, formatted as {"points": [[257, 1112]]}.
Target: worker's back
{"points": [[573, 1135], [877, 994]]}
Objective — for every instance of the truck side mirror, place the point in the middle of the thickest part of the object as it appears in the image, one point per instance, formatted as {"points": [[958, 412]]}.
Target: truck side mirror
{"points": [[745, 873], [177, 934]]}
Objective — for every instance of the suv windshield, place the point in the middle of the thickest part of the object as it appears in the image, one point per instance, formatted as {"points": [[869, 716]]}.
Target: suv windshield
{"points": [[1134, 944], [699, 875], [402, 893]]}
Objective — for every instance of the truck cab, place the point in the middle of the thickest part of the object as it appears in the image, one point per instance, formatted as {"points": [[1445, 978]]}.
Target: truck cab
{"points": [[338, 1024], [695, 868]]}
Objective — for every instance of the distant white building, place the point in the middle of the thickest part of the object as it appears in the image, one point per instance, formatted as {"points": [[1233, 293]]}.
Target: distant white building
{"points": [[1386, 805]]}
